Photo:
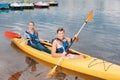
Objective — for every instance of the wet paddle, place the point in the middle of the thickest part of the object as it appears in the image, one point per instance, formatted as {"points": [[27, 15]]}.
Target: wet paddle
{"points": [[11, 35], [88, 19]]}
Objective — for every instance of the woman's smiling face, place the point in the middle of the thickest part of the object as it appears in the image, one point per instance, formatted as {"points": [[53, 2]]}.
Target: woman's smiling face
{"points": [[31, 26]]}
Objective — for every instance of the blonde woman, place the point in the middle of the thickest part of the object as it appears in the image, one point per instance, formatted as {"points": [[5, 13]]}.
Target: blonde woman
{"points": [[32, 39]]}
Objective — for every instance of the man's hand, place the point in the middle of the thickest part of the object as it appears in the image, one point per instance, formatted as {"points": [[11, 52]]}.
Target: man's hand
{"points": [[76, 38], [64, 54]]}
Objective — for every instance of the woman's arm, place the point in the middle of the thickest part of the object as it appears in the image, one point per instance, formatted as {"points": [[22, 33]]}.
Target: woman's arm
{"points": [[36, 32], [26, 38]]}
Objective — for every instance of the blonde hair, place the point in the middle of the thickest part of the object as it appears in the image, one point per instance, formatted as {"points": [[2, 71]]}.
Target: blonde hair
{"points": [[32, 22]]}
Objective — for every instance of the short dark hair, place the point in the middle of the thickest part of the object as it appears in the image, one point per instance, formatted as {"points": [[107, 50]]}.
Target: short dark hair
{"points": [[60, 29]]}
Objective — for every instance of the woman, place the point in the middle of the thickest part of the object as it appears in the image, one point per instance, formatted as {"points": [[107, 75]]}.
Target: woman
{"points": [[32, 39], [60, 45]]}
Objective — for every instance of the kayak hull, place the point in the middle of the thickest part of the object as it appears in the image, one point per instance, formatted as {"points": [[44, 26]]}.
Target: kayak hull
{"points": [[89, 68]]}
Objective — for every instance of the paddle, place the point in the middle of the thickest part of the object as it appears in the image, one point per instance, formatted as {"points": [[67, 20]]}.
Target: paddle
{"points": [[88, 19], [11, 35]]}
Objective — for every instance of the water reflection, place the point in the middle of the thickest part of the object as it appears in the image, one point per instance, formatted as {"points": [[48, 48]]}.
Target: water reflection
{"points": [[4, 11], [15, 76], [31, 65]]}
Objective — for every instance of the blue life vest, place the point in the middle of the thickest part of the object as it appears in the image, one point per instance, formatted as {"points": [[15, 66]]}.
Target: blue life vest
{"points": [[33, 38], [65, 44]]}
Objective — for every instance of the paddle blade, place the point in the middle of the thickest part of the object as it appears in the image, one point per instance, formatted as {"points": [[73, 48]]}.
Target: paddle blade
{"points": [[11, 35], [89, 16], [52, 72]]}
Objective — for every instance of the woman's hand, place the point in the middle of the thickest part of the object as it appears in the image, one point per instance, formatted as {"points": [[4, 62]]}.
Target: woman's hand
{"points": [[28, 39]]}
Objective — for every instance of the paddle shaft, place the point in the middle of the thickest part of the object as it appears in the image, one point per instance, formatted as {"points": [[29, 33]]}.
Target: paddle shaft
{"points": [[88, 19], [81, 28], [77, 34], [59, 60]]}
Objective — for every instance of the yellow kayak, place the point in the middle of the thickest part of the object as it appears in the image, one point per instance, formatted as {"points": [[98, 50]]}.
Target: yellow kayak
{"points": [[89, 68]]}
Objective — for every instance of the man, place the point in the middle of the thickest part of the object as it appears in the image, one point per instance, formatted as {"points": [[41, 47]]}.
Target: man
{"points": [[61, 44]]}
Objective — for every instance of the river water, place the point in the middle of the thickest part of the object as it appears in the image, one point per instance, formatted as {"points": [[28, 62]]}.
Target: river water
{"points": [[99, 38]]}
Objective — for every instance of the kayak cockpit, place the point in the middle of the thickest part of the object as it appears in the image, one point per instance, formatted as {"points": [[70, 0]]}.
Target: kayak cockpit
{"points": [[48, 45]]}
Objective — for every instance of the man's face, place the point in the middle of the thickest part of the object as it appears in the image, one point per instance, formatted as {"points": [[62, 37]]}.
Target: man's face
{"points": [[61, 34]]}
